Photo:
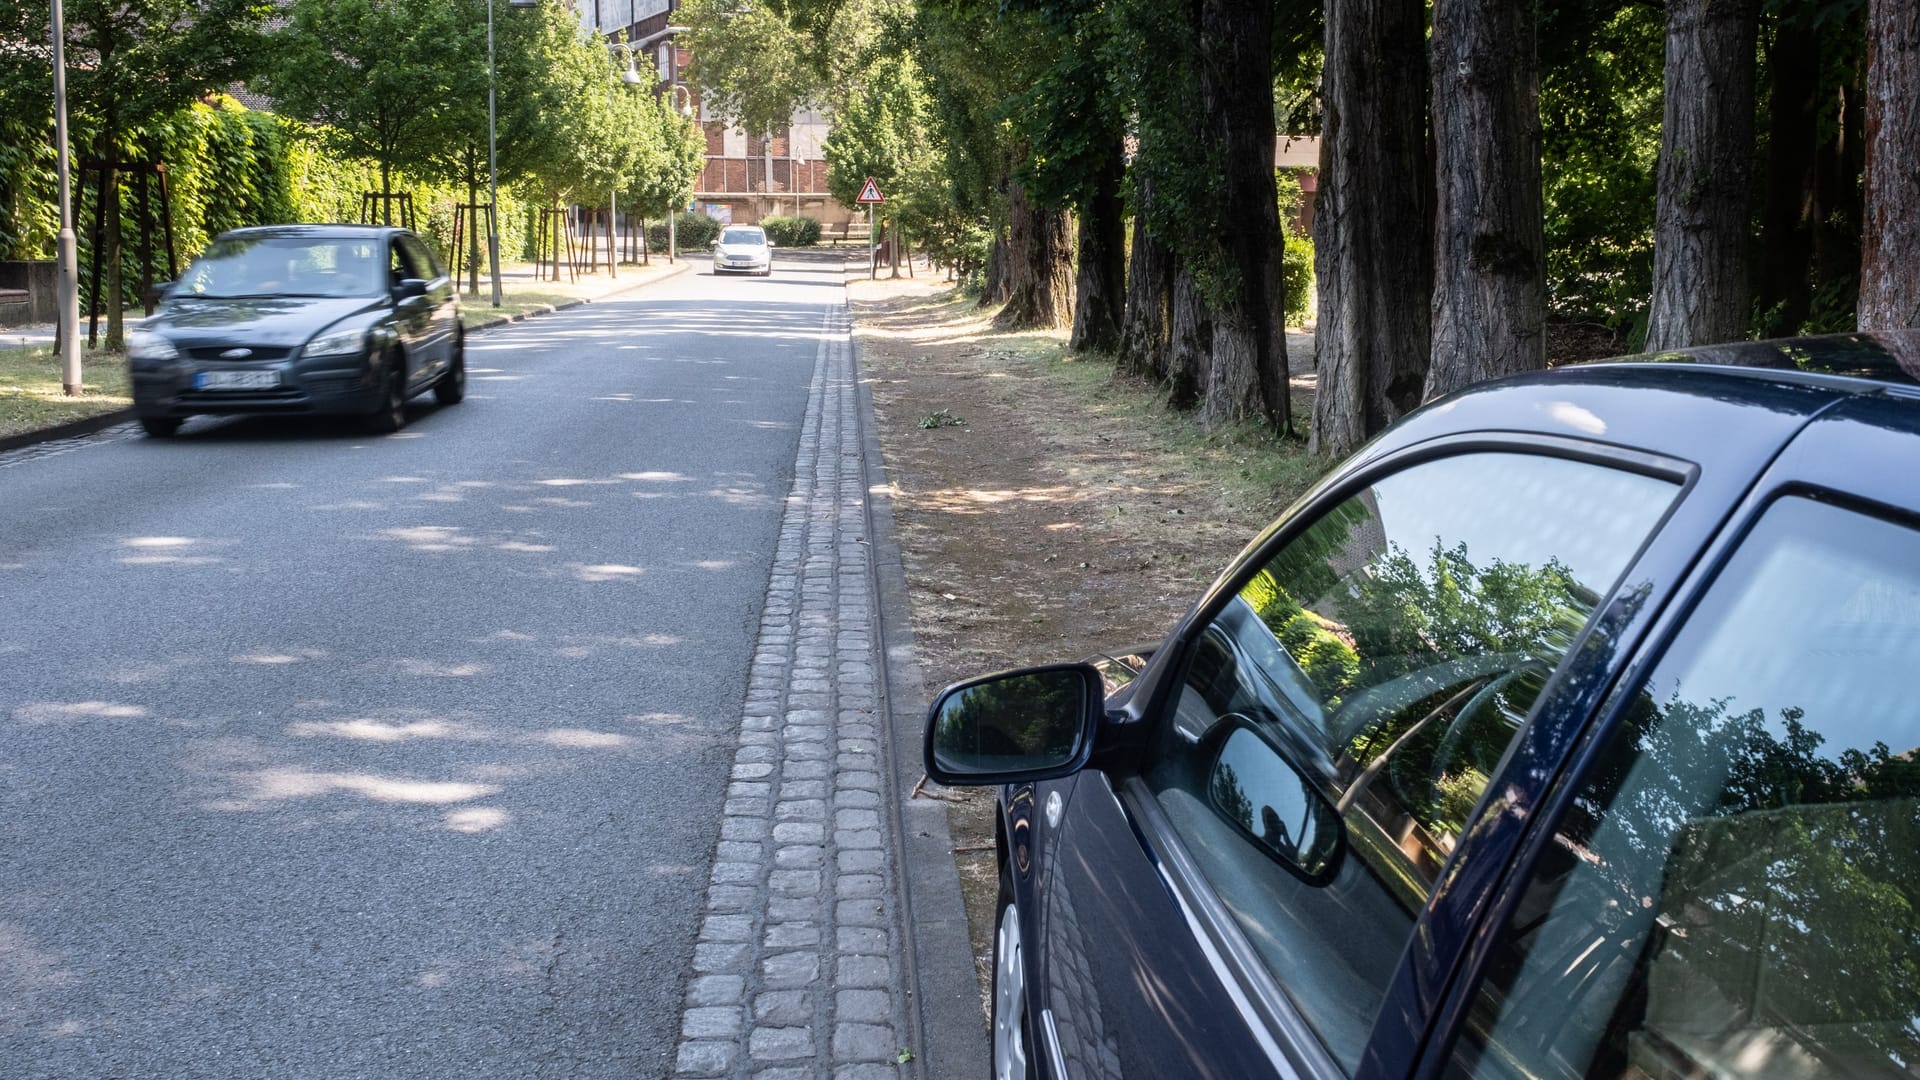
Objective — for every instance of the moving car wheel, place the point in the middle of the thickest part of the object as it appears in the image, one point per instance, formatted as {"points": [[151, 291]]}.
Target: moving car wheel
{"points": [[160, 427], [391, 416], [452, 387], [1012, 1043]]}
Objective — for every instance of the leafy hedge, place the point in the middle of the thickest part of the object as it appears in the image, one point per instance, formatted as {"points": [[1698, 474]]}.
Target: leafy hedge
{"points": [[1296, 271], [227, 167], [792, 230], [693, 232]]}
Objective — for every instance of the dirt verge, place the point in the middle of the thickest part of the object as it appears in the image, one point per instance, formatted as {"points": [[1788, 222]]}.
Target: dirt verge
{"points": [[1046, 510]]}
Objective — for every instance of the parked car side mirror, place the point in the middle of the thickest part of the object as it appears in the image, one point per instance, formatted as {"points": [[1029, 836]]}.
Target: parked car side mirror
{"points": [[408, 288], [1255, 788], [1014, 727]]}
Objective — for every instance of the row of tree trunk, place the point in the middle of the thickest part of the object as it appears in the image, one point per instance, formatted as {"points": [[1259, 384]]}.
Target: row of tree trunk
{"points": [[1429, 222]]}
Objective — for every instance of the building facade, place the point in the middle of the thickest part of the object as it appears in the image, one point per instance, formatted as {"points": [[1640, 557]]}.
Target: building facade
{"points": [[747, 176]]}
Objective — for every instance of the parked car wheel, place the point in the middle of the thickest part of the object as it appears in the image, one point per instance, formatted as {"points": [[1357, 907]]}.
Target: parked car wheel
{"points": [[391, 416], [1012, 1043], [160, 427], [452, 387]]}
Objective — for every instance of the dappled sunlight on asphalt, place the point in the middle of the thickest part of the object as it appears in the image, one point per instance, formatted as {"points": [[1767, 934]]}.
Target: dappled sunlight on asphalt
{"points": [[261, 790], [56, 712]]}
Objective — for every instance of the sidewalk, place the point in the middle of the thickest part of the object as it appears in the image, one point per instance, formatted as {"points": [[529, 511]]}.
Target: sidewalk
{"points": [[830, 944]]}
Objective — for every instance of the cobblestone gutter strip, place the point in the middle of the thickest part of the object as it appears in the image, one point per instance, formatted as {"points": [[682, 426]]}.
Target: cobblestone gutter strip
{"points": [[52, 444], [797, 970]]}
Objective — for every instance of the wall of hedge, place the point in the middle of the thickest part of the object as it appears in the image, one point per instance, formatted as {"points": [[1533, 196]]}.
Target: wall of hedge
{"points": [[227, 167]]}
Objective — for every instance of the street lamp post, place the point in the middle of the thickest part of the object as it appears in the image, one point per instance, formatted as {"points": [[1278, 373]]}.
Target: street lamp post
{"points": [[67, 293], [673, 212]]}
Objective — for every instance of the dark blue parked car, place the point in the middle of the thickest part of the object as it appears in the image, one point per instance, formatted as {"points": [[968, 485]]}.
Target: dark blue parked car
{"points": [[1569, 729]]}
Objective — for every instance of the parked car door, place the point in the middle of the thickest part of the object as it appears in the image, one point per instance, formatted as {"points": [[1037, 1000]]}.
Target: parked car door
{"points": [[1728, 885], [1237, 899]]}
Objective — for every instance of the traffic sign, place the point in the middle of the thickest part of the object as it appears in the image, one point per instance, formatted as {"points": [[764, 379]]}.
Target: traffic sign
{"points": [[870, 193]]}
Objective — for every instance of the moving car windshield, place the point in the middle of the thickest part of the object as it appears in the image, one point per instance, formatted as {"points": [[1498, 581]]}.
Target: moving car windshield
{"points": [[742, 234], [286, 266]]}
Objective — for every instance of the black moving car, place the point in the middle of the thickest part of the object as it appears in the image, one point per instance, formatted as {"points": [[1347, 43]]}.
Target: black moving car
{"points": [[343, 319], [1567, 730]]}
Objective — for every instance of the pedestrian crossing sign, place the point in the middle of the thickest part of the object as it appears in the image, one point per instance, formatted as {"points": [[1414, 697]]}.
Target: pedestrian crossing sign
{"points": [[870, 192]]}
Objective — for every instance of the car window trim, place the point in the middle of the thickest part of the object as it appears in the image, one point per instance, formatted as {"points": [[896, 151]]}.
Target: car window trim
{"points": [[1263, 1006], [1455, 1001]]}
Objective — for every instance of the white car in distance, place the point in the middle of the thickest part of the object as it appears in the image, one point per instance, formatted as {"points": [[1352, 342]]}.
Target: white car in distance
{"points": [[743, 249]]}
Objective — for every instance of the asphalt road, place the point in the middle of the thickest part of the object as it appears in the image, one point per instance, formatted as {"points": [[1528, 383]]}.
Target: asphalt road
{"points": [[328, 755]]}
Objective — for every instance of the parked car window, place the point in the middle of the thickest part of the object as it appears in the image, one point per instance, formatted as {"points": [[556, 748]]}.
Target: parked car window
{"points": [[1735, 891], [1341, 716]]}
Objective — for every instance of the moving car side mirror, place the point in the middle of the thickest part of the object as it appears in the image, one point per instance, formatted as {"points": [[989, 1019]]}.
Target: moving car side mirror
{"points": [[1014, 727], [408, 288], [1255, 788]]}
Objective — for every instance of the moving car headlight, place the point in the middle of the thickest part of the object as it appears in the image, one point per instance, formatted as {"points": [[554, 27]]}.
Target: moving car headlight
{"points": [[149, 346], [338, 343]]}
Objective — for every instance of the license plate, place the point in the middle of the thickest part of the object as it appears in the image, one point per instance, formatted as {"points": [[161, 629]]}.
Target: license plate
{"points": [[236, 380]]}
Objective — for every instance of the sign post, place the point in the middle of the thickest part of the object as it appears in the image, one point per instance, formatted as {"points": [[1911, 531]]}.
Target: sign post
{"points": [[870, 197]]}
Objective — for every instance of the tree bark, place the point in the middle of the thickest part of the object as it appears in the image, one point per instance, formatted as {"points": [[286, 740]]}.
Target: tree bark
{"points": [[1098, 289], [994, 278], [1248, 375], [1490, 277], [1372, 221], [1701, 292], [1039, 266], [1189, 353], [1143, 331], [1890, 255]]}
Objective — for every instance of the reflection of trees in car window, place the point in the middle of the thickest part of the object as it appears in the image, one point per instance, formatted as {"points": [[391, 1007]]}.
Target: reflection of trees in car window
{"points": [[1736, 889]]}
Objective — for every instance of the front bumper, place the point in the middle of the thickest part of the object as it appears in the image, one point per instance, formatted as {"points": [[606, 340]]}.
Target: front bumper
{"points": [[338, 385]]}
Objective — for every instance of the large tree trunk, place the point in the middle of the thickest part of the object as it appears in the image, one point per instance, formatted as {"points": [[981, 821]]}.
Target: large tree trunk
{"points": [[1248, 377], [1701, 293], [1190, 344], [1371, 222], [1098, 288], [1039, 266], [1143, 332], [1890, 256], [994, 287], [1490, 277]]}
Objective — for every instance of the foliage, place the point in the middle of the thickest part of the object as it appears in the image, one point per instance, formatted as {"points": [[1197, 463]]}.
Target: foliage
{"points": [[1600, 109], [692, 232], [1296, 268], [751, 64], [377, 74], [671, 156], [789, 230]]}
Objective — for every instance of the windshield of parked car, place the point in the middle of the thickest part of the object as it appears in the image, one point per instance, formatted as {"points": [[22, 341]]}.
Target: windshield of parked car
{"points": [[741, 234], [286, 266]]}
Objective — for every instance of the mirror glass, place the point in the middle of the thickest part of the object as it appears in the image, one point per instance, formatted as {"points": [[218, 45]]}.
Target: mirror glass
{"points": [[1257, 790], [1018, 722]]}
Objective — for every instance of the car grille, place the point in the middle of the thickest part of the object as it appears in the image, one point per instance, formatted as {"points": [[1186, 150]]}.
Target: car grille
{"points": [[257, 353], [281, 394]]}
